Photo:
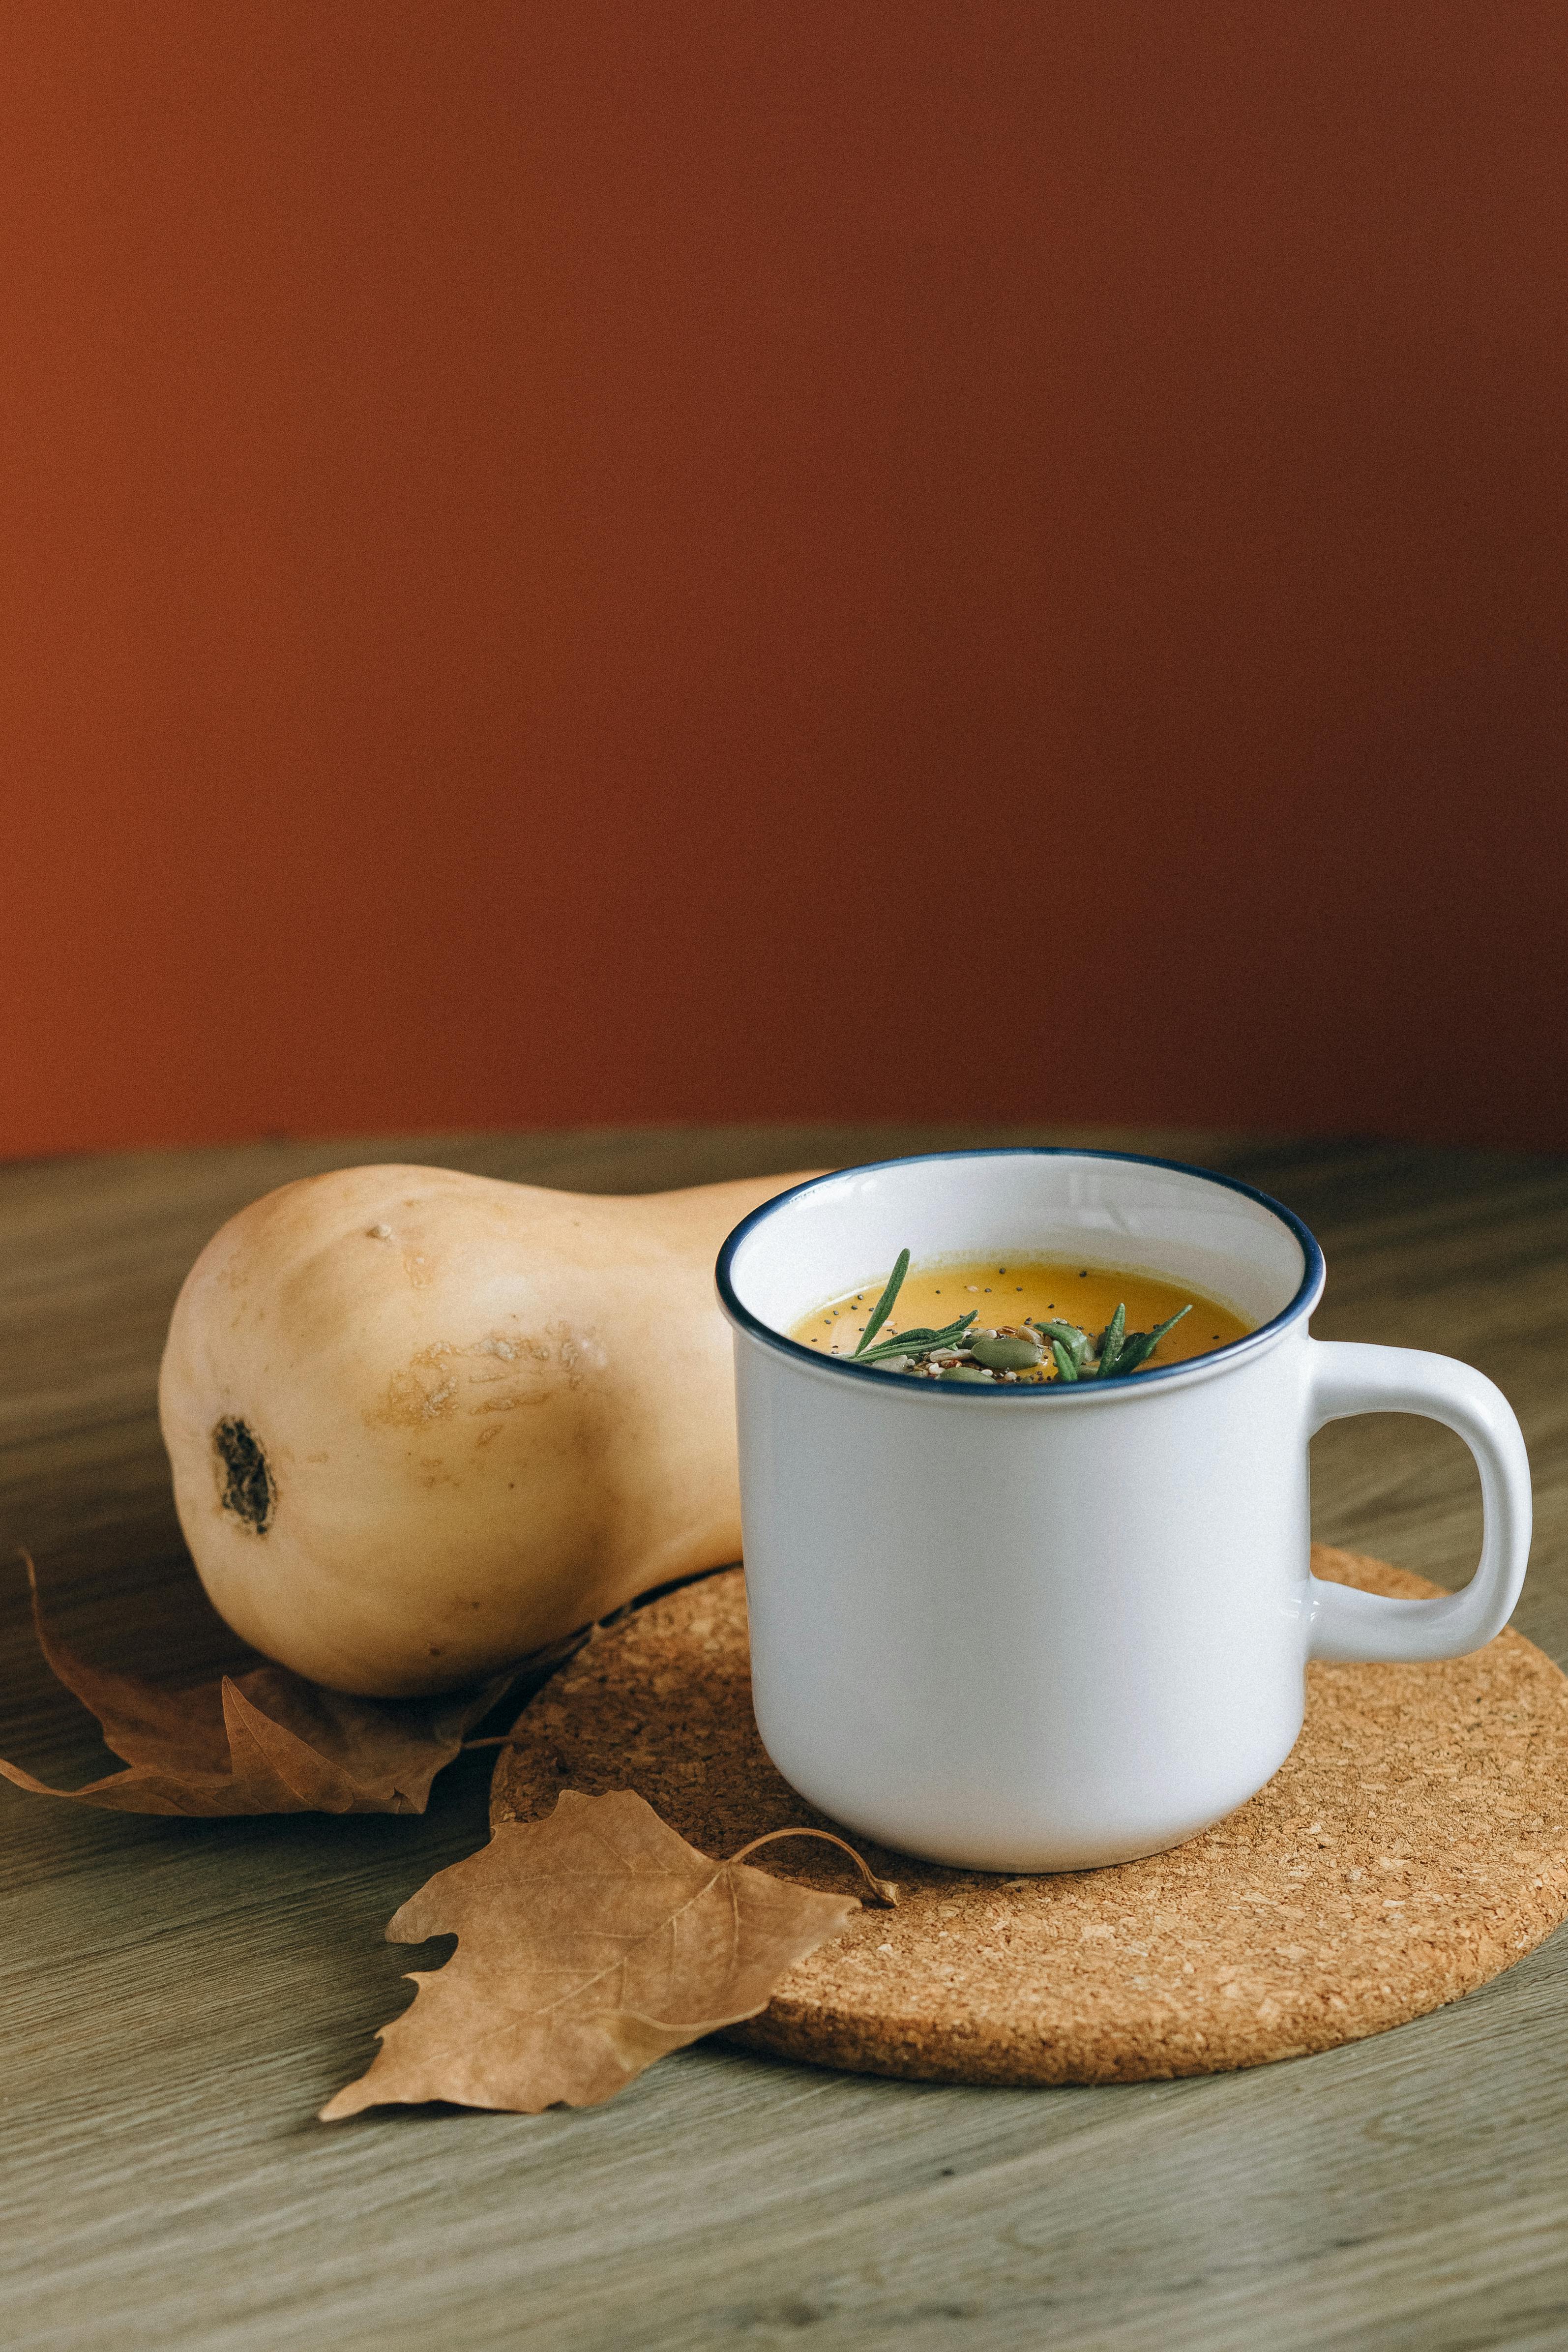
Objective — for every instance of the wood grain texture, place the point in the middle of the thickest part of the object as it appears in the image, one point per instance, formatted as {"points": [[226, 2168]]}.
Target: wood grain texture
{"points": [[178, 1997]]}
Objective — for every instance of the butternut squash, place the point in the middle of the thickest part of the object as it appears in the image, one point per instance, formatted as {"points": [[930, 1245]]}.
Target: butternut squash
{"points": [[422, 1423]]}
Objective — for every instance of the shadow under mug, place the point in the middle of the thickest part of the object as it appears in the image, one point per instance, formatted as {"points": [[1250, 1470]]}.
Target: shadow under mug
{"points": [[1048, 1627]]}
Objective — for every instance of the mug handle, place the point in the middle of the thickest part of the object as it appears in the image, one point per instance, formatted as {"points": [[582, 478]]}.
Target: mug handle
{"points": [[1350, 1625]]}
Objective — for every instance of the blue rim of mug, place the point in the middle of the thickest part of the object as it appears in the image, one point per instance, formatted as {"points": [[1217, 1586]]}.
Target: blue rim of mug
{"points": [[1031, 1393]]}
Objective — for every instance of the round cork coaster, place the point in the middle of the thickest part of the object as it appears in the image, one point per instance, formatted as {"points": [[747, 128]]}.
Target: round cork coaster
{"points": [[1411, 1846]]}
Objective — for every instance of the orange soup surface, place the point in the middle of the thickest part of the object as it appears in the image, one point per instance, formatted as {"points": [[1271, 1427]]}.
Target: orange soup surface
{"points": [[1022, 1293]]}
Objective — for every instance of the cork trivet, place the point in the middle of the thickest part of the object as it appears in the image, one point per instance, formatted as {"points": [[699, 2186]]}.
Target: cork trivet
{"points": [[1412, 1846]]}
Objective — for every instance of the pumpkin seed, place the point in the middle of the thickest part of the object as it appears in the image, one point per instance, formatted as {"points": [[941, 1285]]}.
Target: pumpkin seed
{"points": [[891, 1364], [965, 1372], [1000, 1355]]}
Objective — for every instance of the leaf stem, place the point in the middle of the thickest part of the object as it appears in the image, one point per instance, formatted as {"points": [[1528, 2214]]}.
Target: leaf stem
{"points": [[883, 1890]]}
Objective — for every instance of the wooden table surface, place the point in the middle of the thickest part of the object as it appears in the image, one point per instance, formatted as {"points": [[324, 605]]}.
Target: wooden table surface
{"points": [[178, 1997]]}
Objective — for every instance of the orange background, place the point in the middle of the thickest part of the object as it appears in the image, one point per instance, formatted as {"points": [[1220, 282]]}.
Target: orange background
{"points": [[615, 559]]}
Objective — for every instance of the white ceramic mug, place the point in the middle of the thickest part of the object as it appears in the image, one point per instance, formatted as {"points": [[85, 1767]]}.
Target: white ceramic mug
{"points": [[1046, 1627]]}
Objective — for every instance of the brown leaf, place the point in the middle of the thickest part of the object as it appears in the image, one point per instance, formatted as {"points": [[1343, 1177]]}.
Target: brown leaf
{"points": [[589, 1944], [262, 1742]]}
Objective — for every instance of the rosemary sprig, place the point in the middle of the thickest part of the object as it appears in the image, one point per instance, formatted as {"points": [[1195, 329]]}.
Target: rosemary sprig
{"points": [[916, 1342], [1139, 1346], [1121, 1351], [884, 1308], [1077, 1356]]}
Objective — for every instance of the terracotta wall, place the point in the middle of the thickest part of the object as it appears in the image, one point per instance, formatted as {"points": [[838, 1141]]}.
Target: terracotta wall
{"points": [[610, 559]]}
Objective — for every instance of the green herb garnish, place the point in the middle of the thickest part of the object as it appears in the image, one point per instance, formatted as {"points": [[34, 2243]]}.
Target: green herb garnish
{"points": [[918, 1342], [1139, 1346], [884, 1308], [1076, 1354], [1118, 1350]]}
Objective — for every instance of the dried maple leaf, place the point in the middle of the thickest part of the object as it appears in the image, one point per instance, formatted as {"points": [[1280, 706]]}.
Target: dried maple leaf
{"points": [[589, 1944], [266, 1741]]}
